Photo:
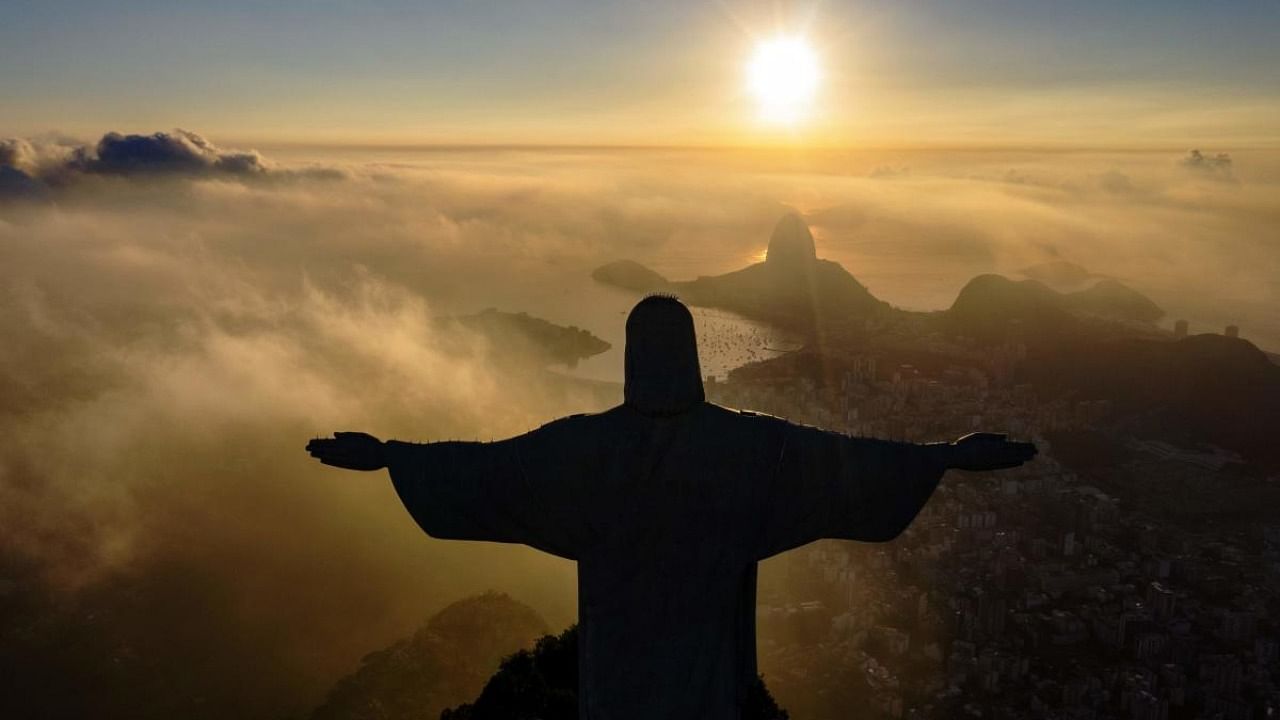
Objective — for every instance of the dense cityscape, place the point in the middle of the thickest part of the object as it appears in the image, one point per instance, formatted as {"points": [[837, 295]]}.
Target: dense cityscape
{"points": [[1035, 593]]}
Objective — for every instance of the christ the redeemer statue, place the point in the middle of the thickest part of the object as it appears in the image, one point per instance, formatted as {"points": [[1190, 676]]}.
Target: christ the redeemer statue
{"points": [[667, 502]]}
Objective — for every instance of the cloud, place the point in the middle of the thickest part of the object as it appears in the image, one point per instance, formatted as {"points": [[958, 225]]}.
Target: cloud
{"points": [[181, 152], [164, 367], [19, 162], [14, 152], [1116, 183], [33, 168], [16, 183], [889, 171], [1015, 176], [1216, 166]]}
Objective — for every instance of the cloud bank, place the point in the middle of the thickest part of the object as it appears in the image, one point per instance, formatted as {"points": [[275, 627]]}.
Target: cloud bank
{"points": [[179, 152], [30, 169], [1217, 165]]}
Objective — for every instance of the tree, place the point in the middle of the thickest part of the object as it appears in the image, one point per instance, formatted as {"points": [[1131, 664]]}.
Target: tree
{"points": [[542, 684]]}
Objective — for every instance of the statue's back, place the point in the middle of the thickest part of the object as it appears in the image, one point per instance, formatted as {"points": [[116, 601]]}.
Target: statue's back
{"points": [[670, 514]]}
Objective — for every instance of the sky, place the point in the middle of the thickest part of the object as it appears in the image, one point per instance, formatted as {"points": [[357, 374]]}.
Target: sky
{"points": [[993, 72]]}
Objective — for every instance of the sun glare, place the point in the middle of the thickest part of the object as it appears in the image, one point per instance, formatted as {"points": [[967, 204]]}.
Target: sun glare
{"points": [[783, 76]]}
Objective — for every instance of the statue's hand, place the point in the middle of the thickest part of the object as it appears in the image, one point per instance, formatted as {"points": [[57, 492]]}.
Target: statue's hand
{"points": [[989, 451], [350, 450]]}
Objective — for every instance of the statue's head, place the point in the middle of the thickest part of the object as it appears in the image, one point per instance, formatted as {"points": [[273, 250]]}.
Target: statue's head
{"points": [[662, 372]]}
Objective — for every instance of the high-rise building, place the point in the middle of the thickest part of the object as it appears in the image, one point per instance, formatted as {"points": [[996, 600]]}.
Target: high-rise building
{"points": [[1233, 331], [1180, 329]]}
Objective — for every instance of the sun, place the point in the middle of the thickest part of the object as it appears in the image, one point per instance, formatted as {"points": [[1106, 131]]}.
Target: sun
{"points": [[783, 76]]}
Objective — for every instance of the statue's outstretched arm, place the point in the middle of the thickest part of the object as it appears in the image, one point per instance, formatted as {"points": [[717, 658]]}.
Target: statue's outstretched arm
{"points": [[830, 485], [460, 490], [350, 450], [988, 451]]}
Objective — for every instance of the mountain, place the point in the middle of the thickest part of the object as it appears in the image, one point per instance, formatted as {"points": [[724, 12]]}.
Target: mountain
{"points": [[1200, 389], [1106, 297], [1059, 273], [792, 288], [797, 290], [445, 663], [630, 275], [519, 333], [993, 308], [1110, 299]]}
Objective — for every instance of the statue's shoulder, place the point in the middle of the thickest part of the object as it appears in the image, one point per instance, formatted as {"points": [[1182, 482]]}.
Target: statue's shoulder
{"points": [[748, 416], [739, 412], [574, 419], [578, 421], [757, 414]]}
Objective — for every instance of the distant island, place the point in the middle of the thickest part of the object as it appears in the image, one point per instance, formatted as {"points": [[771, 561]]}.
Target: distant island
{"points": [[630, 275], [521, 334]]}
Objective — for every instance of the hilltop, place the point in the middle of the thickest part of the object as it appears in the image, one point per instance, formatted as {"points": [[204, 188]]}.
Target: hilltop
{"points": [[993, 308], [446, 662]]}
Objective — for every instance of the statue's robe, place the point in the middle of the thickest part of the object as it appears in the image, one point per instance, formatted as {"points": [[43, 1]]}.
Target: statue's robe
{"points": [[666, 516]]}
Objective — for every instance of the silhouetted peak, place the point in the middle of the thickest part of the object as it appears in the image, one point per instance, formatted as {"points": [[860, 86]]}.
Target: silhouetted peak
{"points": [[663, 376], [1233, 356], [631, 275], [991, 306], [989, 287], [791, 242], [446, 662], [1059, 273], [1110, 298]]}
